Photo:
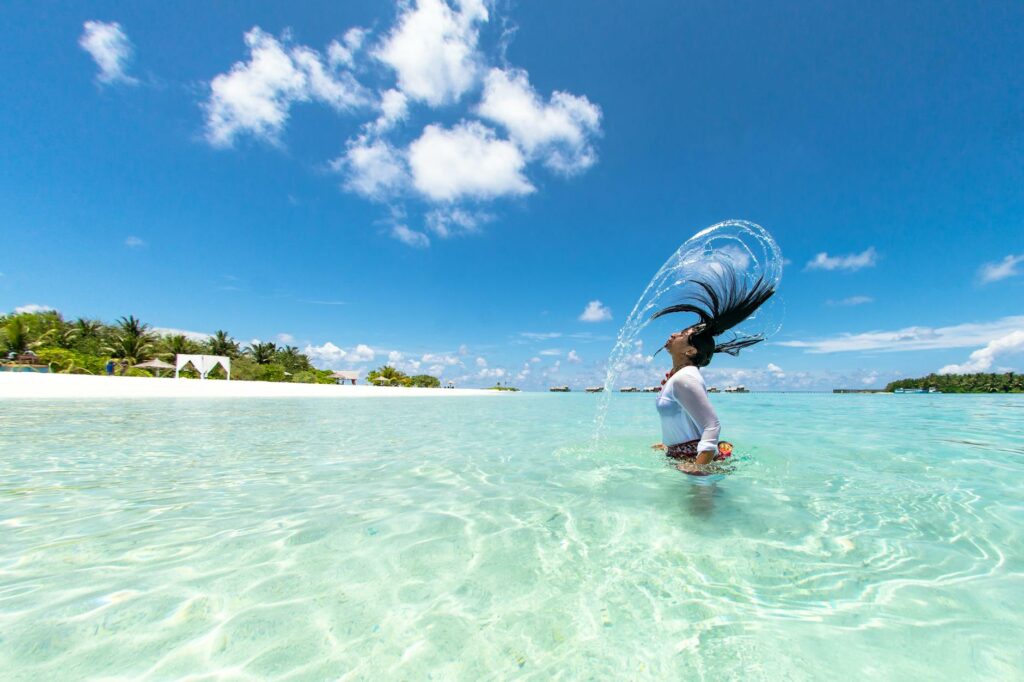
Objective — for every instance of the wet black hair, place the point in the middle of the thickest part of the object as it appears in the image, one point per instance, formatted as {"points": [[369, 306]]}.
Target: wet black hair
{"points": [[721, 301]]}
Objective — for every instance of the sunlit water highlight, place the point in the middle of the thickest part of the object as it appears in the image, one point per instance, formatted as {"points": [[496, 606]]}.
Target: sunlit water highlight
{"points": [[860, 537]]}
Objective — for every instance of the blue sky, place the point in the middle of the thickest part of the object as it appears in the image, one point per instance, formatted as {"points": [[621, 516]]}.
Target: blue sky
{"points": [[451, 186]]}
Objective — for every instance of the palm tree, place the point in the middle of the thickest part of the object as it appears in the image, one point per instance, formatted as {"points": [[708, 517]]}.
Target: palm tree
{"points": [[222, 344], [179, 344], [61, 335], [87, 329], [292, 359], [132, 341], [132, 326], [391, 376], [131, 349], [15, 336], [262, 353]]}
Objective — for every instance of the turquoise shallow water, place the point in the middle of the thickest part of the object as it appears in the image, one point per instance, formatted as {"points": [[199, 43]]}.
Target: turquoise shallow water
{"points": [[470, 538]]}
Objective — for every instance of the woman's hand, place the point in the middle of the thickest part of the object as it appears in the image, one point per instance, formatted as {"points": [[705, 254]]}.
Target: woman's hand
{"points": [[658, 446]]}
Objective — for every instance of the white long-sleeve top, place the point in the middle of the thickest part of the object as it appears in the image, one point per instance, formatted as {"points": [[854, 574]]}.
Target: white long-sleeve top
{"points": [[685, 411]]}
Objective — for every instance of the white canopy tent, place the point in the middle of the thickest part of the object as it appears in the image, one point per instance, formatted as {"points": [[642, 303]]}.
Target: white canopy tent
{"points": [[203, 364], [154, 364]]}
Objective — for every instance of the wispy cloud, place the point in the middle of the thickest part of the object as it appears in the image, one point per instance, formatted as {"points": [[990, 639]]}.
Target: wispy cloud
{"points": [[850, 262], [771, 378], [110, 48], [134, 242], [1007, 267], [852, 300], [982, 359], [412, 238], [540, 336], [318, 302], [447, 221], [914, 338]]}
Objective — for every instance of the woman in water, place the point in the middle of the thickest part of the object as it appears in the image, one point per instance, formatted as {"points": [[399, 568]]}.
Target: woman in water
{"points": [[689, 425]]}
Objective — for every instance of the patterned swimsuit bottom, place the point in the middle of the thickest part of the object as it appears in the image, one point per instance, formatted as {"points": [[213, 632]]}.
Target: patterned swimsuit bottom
{"points": [[688, 451]]}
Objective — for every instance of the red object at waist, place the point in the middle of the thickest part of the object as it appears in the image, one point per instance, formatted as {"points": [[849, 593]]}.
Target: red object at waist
{"points": [[688, 450]]}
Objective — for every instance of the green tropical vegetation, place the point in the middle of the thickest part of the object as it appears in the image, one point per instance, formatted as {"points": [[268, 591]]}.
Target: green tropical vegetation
{"points": [[84, 346], [386, 375], [965, 383], [502, 387]]}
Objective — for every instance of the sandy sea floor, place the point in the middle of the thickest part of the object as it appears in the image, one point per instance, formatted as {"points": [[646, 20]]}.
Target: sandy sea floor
{"points": [[857, 537]]}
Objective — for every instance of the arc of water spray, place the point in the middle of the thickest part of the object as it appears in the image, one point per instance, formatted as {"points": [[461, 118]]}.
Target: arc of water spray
{"points": [[740, 240]]}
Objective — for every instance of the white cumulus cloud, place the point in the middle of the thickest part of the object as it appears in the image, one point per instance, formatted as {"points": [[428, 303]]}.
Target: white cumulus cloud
{"points": [[993, 272], [573, 357], [333, 357], [110, 48], [394, 107], [558, 131], [325, 355], [373, 168], [433, 49], [255, 96], [34, 308], [362, 353], [442, 359], [480, 151], [850, 262], [467, 161], [982, 359], [596, 312]]}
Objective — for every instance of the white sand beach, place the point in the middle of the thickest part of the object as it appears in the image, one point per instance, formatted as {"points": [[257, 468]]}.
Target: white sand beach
{"points": [[31, 385]]}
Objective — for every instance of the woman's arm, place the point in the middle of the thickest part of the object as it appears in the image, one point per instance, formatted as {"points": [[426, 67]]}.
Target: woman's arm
{"points": [[695, 401]]}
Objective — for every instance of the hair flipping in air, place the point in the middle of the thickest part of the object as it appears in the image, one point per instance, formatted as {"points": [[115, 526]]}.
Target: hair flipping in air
{"points": [[721, 301]]}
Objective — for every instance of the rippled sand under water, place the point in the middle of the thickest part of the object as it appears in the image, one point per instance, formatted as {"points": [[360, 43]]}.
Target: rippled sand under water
{"points": [[858, 536]]}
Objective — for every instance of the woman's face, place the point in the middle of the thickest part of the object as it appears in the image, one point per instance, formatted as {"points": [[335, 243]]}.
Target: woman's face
{"points": [[678, 344]]}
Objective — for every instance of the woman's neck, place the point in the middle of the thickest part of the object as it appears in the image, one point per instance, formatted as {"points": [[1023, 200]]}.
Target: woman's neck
{"points": [[680, 363]]}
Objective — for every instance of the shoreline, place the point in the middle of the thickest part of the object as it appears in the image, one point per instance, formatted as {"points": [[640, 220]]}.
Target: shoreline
{"points": [[45, 386]]}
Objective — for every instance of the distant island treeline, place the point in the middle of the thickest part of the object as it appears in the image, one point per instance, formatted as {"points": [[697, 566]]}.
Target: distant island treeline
{"points": [[86, 346], [1008, 382]]}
